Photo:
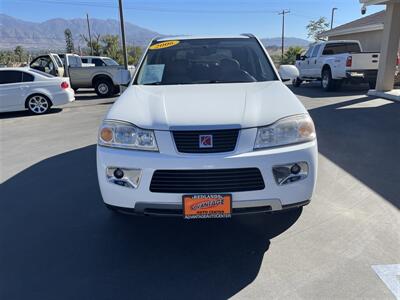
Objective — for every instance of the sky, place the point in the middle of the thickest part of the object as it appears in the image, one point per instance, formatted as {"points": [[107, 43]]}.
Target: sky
{"points": [[173, 17]]}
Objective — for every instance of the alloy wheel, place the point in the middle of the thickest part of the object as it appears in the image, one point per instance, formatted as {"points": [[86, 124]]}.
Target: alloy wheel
{"points": [[103, 88], [38, 104]]}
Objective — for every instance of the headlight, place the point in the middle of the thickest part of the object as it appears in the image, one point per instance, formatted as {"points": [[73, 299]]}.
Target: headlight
{"points": [[291, 130], [120, 134]]}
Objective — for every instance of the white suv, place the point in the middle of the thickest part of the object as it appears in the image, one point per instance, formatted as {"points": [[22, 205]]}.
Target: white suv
{"points": [[206, 129]]}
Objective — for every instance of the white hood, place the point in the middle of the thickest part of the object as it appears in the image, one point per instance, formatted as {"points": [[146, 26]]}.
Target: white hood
{"points": [[235, 105]]}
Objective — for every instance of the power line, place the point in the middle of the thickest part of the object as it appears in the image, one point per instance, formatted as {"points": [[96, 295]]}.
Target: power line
{"points": [[149, 8]]}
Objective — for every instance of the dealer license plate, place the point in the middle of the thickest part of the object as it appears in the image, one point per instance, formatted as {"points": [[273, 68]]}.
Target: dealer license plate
{"points": [[204, 206]]}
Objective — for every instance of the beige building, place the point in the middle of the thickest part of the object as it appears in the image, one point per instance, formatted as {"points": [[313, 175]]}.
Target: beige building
{"points": [[379, 32], [368, 30]]}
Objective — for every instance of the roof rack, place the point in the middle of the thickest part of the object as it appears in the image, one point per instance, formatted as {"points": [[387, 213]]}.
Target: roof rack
{"points": [[156, 38], [250, 35]]}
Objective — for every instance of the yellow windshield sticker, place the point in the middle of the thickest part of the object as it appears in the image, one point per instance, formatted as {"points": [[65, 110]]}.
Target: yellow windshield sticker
{"points": [[163, 45]]}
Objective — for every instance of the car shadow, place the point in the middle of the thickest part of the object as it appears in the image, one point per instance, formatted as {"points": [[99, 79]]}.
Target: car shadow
{"points": [[314, 90], [86, 97], [58, 241], [362, 136], [26, 113]]}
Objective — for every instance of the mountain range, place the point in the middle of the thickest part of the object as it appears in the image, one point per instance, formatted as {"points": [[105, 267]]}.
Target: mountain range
{"points": [[49, 35]]}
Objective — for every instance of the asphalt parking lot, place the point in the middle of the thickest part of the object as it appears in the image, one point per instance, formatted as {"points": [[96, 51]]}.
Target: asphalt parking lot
{"points": [[57, 241]]}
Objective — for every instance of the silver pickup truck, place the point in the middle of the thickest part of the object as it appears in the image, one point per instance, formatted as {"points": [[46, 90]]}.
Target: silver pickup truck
{"points": [[101, 78]]}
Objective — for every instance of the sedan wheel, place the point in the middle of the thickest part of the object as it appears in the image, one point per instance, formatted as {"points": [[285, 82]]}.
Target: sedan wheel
{"points": [[38, 104]]}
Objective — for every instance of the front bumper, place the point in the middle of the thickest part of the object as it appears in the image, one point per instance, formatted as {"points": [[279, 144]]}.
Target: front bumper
{"points": [[273, 196]]}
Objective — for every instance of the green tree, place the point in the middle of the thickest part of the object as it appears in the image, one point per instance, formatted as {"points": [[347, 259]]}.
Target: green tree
{"points": [[134, 54], [69, 41], [19, 52], [96, 43], [289, 58], [316, 27], [110, 46]]}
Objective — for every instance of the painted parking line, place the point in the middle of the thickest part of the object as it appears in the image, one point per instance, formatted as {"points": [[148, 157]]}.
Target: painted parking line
{"points": [[390, 275]]}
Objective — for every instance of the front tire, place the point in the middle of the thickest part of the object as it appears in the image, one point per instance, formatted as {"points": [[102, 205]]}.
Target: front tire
{"points": [[104, 88], [38, 104]]}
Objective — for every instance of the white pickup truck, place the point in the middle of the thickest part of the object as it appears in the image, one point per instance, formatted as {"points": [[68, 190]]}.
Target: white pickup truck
{"points": [[334, 62]]}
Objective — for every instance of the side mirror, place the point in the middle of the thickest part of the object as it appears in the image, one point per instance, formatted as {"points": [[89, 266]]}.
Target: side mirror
{"points": [[288, 72], [122, 77], [298, 57]]}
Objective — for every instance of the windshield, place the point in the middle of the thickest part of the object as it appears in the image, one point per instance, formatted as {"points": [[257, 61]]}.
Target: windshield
{"points": [[196, 61], [110, 62]]}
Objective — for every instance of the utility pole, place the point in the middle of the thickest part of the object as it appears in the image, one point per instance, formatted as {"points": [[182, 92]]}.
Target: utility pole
{"points": [[90, 36], [283, 13], [121, 19], [333, 14]]}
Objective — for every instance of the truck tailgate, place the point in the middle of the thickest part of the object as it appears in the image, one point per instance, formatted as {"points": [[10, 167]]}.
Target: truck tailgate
{"points": [[364, 61]]}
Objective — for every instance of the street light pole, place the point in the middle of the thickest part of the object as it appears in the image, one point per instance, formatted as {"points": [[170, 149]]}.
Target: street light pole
{"points": [[283, 30], [121, 18], [333, 14]]}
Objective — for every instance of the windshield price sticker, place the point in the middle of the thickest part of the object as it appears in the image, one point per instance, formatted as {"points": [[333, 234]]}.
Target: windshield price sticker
{"points": [[163, 45]]}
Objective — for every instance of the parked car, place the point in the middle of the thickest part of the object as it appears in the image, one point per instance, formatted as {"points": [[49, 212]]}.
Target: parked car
{"points": [[207, 129], [101, 61], [101, 78], [334, 62], [65, 57], [24, 88]]}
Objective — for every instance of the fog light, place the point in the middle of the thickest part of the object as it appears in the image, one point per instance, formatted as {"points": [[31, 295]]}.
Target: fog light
{"points": [[118, 173], [295, 169], [124, 177], [285, 174]]}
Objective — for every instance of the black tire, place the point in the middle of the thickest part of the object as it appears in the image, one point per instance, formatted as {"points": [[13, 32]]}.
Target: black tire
{"points": [[372, 84], [297, 82], [117, 89], [104, 87], [38, 104], [327, 83]]}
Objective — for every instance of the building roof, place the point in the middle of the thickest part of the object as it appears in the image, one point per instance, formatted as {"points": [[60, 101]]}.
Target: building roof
{"points": [[368, 23], [373, 2]]}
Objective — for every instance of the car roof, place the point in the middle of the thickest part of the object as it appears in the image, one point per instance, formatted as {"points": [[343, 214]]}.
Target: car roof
{"points": [[15, 69], [336, 42], [31, 71], [196, 37], [93, 56]]}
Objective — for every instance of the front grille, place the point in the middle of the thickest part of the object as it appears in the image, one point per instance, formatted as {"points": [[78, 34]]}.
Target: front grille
{"points": [[207, 181], [223, 140]]}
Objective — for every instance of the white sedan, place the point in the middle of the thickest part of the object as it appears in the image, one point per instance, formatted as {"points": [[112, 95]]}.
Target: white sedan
{"points": [[24, 88], [207, 129]]}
